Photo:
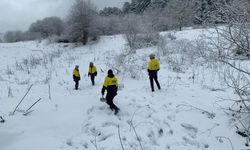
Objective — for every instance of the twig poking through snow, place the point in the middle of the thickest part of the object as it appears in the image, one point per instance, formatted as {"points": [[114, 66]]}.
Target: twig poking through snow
{"points": [[1, 119], [94, 143], [137, 137], [49, 91], [131, 120], [222, 137], [119, 134]]}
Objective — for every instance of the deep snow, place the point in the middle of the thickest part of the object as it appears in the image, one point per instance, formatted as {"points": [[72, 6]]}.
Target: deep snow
{"points": [[78, 120]]}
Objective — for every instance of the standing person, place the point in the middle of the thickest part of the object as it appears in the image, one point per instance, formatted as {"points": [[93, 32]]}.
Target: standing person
{"points": [[92, 72], [111, 85], [153, 68], [76, 76]]}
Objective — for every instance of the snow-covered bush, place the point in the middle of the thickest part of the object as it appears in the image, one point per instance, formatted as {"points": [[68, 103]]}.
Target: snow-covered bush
{"points": [[48, 26], [179, 54], [127, 63]]}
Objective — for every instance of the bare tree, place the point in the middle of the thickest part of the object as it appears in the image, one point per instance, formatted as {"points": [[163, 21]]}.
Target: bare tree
{"points": [[132, 29], [80, 19], [230, 46]]}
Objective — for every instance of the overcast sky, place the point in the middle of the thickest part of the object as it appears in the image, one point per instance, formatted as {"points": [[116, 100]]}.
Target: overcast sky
{"points": [[19, 14]]}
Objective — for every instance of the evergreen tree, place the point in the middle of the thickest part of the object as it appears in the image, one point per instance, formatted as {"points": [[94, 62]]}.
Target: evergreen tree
{"points": [[139, 6], [156, 4], [108, 11], [126, 8]]}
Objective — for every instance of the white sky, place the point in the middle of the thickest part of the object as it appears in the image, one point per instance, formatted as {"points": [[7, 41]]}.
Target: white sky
{"points": [[19, 14]]}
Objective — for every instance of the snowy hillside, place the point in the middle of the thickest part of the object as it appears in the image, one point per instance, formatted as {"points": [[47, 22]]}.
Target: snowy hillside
{"points": [[181, 116]]}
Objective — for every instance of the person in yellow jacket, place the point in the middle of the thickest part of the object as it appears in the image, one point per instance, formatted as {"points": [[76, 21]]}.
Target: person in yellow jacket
{"points": [[76, 76], [153, 68], [92, 72], [111, 85]]}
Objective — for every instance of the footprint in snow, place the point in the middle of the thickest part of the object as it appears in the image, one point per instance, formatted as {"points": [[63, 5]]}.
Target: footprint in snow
{"points": [[171, 117], [191, 130], [108, 124], [191, 142]]}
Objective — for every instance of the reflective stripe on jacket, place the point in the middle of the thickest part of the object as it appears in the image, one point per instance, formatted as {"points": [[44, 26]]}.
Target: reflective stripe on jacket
{"points": [[154, 65]]}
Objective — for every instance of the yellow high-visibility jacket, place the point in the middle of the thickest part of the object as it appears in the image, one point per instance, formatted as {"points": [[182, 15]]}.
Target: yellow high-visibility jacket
{"points": [[154, 65], [110, 82], [92, 70], [111, 85], [76, 73]]}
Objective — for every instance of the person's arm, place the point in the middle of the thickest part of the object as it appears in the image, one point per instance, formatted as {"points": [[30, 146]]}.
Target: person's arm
{"points": [[158, 65], [148, 68], [105, 85], [74, 77], [103, 90], [95, 71]]}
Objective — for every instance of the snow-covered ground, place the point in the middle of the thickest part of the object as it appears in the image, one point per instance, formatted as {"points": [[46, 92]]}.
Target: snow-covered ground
{"points": [[181, 116]]}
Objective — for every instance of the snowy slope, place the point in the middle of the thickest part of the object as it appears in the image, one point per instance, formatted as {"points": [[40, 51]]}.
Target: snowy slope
{"points": [[71, 120]]}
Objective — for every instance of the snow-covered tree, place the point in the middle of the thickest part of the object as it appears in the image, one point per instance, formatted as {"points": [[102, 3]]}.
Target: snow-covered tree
{"points": [[109, 11], [80, 21], [13, 36], [181, 12], [48, 26], [158, 4]]}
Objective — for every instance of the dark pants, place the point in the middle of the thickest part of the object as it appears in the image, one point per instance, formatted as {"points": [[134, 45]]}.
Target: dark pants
{"points": [[76, 84], [92, 77], [153, 77], [110, 98]]}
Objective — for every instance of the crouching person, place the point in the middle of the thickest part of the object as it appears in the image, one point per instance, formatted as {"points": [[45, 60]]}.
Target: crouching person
{"points": [[111, 85], [76, 76]]}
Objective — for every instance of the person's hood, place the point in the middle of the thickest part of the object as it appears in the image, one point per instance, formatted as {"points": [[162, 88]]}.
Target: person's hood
{"points": [[110, 73]]}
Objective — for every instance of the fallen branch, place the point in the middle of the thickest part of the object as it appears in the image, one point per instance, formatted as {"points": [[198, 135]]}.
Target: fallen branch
{"points": [[22, 99], [27, 111], [210, 114]]}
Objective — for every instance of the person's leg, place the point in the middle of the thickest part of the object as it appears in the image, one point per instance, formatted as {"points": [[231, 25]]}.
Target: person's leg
{"points": [[151, 83], [109, 101], [110, 98], [76, 84], [114, 106], [92, 79], [157, 82]]}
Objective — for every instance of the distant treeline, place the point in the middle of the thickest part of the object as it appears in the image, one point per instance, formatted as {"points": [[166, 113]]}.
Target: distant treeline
{"points": [[85, 23]]}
